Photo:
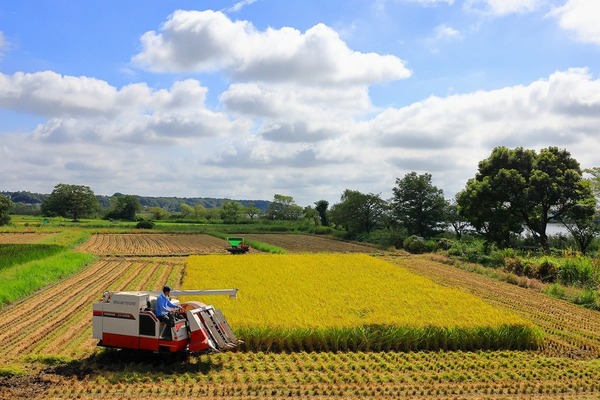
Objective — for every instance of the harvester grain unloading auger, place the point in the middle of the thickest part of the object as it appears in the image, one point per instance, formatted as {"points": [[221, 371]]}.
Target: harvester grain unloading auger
{"points": [[126, 320]]}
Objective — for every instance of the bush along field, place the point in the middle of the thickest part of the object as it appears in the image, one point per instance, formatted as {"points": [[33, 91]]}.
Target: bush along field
{"points": [[564, 274], [339, 302]]}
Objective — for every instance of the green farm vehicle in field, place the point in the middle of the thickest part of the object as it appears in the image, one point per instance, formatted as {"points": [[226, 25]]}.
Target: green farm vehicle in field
{"points": [[237, 245]]}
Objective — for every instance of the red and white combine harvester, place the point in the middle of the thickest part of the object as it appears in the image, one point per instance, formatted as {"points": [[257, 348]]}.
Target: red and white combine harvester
{"points": [[126, 320]]}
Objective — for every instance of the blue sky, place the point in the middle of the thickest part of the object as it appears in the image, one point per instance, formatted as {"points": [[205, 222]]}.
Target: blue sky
{"points": [[247, 99]]}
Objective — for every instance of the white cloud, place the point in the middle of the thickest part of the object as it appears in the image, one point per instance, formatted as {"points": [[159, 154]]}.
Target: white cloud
{"points": [[239, 5], [581, 17], [443, 31], [87, 109], [206, 41], [296, 102], [502, 7], [155, 142], [48, 93], [448, 136]]}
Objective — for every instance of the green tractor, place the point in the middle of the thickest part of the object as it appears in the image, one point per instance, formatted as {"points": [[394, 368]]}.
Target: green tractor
{"points": [[237, 245]]}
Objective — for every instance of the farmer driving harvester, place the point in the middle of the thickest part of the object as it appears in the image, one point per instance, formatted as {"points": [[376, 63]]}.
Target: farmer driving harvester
{"points": [[164, 306]]}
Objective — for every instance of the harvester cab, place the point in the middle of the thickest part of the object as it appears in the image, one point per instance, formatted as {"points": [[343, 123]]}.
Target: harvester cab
{"points": [[237, 245], [126, 320]]}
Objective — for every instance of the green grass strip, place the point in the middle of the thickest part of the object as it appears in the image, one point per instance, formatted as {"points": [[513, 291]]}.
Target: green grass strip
{"points": [[13, 254], [21, 280]]}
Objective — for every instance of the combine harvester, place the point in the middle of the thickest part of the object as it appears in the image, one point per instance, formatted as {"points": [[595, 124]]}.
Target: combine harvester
{"points": [[126, 320], [237, 245]]}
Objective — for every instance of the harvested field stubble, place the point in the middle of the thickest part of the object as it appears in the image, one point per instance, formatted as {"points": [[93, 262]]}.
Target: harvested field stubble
{"points": [[158, 244], [414, 375], [25, 237]]}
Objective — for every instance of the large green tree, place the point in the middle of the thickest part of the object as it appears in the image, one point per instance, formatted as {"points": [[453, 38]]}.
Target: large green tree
{"points": [[74, 201], [516, 188], [252, 211], [185, 210], [418, 205], [594, 180], [322, 208], [284, 208], [582, 223], [123, 206], [232, 212], [5, 205], [358, 212], [455, 219]]}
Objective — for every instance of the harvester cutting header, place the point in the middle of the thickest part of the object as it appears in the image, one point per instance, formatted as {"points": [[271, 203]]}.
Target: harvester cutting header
{"points": [[127, 320]]}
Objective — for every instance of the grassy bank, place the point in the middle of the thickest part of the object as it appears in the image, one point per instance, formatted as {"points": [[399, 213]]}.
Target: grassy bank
{"points": [[23, 279]]}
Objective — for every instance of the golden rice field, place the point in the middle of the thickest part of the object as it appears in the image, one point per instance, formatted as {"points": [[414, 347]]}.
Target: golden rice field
{"points": [[339, 302]]}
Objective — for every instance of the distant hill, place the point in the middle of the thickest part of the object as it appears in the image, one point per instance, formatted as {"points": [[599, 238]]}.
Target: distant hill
{"points": [[170, 204]]}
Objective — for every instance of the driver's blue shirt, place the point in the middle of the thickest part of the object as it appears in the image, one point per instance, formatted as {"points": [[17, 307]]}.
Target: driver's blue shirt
{"points": [[162, 302]]}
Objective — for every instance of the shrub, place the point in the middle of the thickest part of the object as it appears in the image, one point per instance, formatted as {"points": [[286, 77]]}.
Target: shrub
{"points": [[514, 265], [587, 298], [498, 256], [444, 244], [555, 290], [577, 271], [322, 230], [471, 251], [414, 244], [278, 228], [546, 270], [144, 225]]}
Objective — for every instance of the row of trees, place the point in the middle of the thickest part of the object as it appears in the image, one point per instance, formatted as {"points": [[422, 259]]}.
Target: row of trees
{"points": [[78, 201], [513, 190]]}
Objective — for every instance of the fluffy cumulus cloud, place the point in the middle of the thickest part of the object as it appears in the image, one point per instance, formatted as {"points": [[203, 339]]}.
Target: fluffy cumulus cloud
{"points": [[82, 109], [144, 141], [445, 134], [205, 41], [580, 17], [48, 93]]}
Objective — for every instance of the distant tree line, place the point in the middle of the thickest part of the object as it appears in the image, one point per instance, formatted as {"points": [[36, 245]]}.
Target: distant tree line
{"points": [[514, 190], [27, 203]]}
